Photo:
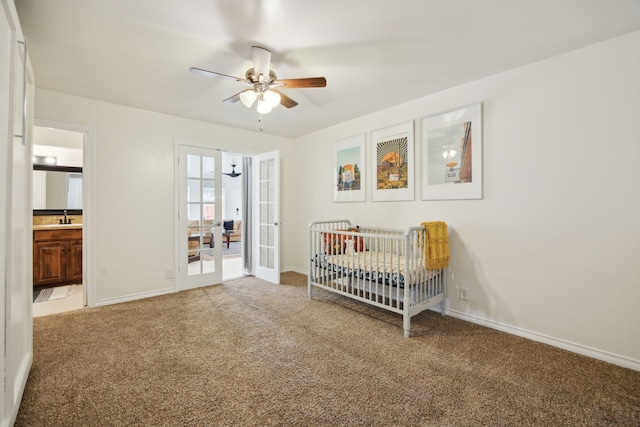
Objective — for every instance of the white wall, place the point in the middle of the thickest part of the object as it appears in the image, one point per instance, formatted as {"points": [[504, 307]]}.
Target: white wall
{"points": [[551, 252], [134, 156], [64, 156]]}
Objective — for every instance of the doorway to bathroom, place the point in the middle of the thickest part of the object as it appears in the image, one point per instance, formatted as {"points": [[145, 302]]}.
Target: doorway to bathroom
{"points": [[59, 209]]}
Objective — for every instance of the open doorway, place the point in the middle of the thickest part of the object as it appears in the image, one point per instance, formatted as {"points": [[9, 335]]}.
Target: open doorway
{"points": [[58, 160], [211, 209], [233, 210]]}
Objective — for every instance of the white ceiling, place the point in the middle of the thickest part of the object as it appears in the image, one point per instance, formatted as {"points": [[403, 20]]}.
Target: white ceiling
{"points": [[374, 53]]}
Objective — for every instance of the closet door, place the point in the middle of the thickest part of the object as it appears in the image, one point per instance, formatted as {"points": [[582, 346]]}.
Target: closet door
{"points": [[16, 100], [5, 58]]}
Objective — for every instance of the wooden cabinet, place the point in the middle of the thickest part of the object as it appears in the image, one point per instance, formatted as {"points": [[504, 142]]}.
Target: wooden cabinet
{"points": [[57, 257]]}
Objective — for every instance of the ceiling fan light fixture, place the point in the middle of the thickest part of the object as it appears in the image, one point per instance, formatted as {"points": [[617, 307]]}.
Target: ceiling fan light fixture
{"points": [[248, 97], [264, 107], [449, 154], [272, 98]]}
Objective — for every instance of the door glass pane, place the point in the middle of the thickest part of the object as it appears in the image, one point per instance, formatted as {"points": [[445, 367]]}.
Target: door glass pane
{"points": [[193, 166], [270, 235], [193, 252], [206, 226], [208, 167], [267, 169], [193, 190], [208, 191], [264, 192], [194, 230], [194, 211], [267, 241], [267, 213], [263, 234], [208, 261], [264, 173], [209, 211], [271, 213], [266, 257], [263, 213]]}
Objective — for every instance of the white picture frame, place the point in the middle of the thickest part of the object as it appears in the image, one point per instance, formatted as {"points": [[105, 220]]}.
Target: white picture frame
{"points": [[452, 154], [392, 163], [349, 172]]}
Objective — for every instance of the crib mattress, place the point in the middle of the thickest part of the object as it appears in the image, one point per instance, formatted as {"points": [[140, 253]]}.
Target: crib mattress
{"points": [[374, 266]]}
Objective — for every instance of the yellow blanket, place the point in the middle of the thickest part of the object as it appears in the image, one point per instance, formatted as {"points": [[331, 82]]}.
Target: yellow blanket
{"points": [[436, 247]]}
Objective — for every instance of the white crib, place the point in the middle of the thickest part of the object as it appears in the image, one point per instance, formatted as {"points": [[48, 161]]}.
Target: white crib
{"points": [[378, 266]]}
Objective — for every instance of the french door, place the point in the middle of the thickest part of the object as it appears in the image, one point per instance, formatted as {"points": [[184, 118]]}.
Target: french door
{"points": [[266, 202], [199, 217]]}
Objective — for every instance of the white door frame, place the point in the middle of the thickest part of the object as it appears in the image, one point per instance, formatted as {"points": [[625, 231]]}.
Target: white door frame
{"points": [[89, 228]]}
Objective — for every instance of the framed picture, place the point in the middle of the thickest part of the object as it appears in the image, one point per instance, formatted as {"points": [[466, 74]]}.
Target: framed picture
{"points": [[452, 155], [392, 160], [348, 176]]}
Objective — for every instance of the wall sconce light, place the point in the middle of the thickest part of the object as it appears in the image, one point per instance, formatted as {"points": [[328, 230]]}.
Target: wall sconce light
{"points": [[44, 160]]}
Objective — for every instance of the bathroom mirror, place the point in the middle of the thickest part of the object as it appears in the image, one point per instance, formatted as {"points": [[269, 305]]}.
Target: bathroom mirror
{"points": [[56, 189]]}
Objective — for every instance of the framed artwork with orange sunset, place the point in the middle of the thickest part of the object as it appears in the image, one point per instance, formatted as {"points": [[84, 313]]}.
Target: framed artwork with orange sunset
{"points": [[349, 171], [393, 163]]}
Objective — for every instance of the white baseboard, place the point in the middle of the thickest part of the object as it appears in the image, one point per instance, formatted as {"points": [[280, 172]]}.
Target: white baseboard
{"points": [[594, 353], [133, 297], [21, 380], [293, 270]]}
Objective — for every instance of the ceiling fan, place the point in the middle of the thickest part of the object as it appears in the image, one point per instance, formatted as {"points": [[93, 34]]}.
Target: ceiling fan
{"points": [[233, 172], [264, 84]]}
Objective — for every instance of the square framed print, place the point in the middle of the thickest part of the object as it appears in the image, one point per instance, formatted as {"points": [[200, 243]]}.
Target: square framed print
{"points": [[393, 163], [349, 162], [452, 155]]}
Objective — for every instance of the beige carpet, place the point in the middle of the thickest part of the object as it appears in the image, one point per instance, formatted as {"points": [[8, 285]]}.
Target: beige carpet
{"points": [[251, 353]]}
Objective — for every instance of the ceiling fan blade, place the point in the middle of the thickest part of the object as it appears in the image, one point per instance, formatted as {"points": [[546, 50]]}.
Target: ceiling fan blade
{"points": [[285, 100], [208, 73], [233, 99], [261, 61], [301, 83]]}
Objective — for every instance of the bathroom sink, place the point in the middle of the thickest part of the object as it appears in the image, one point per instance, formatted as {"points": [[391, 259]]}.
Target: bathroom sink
{"points": [[56, 226]]}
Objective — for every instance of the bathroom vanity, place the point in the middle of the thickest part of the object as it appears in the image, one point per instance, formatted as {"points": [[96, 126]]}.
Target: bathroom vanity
{"points": [[57, 254]]}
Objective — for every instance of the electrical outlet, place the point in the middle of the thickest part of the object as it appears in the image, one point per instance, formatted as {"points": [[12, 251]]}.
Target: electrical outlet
{"points": [[168, 274], [463, 293]]}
